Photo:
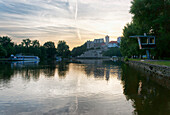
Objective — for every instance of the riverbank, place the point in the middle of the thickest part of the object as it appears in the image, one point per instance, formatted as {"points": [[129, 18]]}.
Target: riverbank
{"points": [[154, 62], [158, 73], [161, 68]]}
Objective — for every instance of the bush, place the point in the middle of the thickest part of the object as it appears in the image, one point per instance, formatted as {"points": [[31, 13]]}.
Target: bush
{"points": [[126, 59]]}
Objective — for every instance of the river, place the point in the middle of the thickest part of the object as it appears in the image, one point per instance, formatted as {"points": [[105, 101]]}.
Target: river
{"points": [[81, 87]]}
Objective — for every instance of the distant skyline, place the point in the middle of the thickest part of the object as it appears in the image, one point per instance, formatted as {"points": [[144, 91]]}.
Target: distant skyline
{"points": [[74, 21]]}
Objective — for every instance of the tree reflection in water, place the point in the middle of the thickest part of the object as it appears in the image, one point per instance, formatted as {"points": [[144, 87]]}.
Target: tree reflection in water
{"points": [[148, 97], [5, 72], [63, 68]]}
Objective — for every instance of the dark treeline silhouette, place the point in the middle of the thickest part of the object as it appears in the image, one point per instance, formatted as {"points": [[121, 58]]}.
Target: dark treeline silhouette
{"points": [[33, 47], [112, 52], [77, 51], [150, 17]]}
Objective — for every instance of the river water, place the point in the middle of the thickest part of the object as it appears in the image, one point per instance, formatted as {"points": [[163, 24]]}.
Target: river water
{"points": [[82, 87]]}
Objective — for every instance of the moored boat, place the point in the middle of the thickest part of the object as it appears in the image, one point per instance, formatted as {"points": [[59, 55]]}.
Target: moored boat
{"points": [[20, 57]]}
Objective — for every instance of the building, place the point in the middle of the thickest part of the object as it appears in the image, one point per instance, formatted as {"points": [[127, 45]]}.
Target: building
{"points": [[90, 44], [112, 44], [104, 45], [119, 40], [101, 40], [107, 39]]}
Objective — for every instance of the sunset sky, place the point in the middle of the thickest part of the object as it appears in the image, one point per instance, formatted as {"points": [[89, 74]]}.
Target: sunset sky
{"points": [[74, 21]]}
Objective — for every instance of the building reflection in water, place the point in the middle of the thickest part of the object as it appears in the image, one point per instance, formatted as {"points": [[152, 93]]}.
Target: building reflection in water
{"points": [[98, 69], [101, 69], [147, 97]]}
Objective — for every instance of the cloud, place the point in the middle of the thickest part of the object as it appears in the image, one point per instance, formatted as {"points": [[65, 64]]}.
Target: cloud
{"points": [[55, 19]]}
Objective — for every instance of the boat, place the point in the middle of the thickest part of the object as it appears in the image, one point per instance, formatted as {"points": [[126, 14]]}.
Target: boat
{"points": [[58, 58], [20, 57]]}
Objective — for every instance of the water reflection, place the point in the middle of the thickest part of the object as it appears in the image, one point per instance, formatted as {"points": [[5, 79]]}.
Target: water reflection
{"points": [[80, 87], [147, 96], [63, 68], [101, 68]]}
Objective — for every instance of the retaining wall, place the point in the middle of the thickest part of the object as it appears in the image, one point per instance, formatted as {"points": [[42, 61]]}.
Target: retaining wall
{"points": [[155, 69]]}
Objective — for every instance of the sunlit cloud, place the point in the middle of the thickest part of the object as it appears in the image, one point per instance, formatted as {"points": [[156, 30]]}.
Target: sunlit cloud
{"points": [[74, 21]]}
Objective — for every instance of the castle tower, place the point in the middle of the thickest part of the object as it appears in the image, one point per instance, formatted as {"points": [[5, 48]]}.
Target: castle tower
{"points": [[107, 39]]}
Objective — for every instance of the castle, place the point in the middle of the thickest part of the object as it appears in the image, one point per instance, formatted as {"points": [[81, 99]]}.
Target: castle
{"points": [[97, 46], [101, 44]]}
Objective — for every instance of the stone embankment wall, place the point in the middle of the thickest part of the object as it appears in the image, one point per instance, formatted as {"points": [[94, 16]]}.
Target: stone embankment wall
{"points": [[155, 69]]}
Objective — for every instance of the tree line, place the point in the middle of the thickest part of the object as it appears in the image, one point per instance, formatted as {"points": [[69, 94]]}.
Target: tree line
{"points": [[33, 47], [151, 17]]}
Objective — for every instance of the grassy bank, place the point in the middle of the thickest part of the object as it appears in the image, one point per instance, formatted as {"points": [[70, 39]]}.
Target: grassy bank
{"points": [[154, 62]]}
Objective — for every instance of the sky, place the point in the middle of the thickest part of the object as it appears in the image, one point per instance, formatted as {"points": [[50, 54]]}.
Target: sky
{"points": [[74, 21]]}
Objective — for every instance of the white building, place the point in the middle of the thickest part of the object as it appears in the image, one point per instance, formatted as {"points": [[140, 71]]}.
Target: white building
{"points": [[112, 44], [101, 40], [119, 40], [100, 43]]}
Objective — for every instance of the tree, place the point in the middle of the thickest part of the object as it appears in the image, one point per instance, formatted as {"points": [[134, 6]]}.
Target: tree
{"points": [[7, 45], [63, 49], [112, 52], [129, 46], [77, 51], [35, 43], [50, 49], [26, 42], [153, 17], [3, 52]]}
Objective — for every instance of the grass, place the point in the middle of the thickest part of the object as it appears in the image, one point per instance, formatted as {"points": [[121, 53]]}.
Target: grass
{"points": [[166, 63], [134, 59], [154, 62]]}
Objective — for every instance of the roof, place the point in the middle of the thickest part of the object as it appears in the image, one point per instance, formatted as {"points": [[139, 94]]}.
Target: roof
{"points": [[103, 44], [112, 42]]}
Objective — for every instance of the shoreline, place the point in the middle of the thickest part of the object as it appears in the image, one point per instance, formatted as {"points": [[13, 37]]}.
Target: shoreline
{"points": [[155, 69], [158, 73]]}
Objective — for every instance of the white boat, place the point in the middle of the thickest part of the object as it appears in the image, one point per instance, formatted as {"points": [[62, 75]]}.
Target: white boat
{"points": [[24, 58]]}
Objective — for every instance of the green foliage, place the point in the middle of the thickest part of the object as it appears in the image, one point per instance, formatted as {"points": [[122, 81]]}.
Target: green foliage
{"points": [[63, 49], [7, 45], [112, 52], [126, 59], [77, 51], [129, 46], [50, 49], [3, 52], [28, 47], [35, 43], [151, 17], [26, 42]]}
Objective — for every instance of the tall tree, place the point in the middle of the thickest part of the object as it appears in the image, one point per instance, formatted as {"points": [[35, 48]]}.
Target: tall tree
{"points": [[153, 17], [50, 49], [3, 52], [7, 44], [63, 49], [26, 42], [77, 51], [35, 43]]}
